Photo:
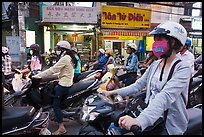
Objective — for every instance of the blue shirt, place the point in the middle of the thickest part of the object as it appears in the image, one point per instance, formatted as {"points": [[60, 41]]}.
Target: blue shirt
{"points": [[78, 67], [102, 61], [132, 63]]}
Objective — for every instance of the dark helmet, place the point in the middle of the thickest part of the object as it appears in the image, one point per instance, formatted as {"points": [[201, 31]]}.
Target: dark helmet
{"points": [[35, 47], [188, 43]]}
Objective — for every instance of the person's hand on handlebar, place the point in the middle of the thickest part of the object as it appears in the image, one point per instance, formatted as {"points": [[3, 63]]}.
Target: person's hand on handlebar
{"points": [[127, 122]]}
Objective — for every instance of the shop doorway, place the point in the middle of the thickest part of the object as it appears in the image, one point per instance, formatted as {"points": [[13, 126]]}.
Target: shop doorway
{"points": [[117, 47]]}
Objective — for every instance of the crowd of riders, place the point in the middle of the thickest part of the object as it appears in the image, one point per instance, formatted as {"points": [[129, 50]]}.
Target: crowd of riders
{"points": [[170, 44]]}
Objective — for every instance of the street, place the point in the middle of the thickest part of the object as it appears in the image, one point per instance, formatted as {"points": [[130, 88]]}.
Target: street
{"points": [[71, 126]]}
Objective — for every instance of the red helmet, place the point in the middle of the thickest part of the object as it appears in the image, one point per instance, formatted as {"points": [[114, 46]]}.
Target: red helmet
{"points": [[35, 47]]}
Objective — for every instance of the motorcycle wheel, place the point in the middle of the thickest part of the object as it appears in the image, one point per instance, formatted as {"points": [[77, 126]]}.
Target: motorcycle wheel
{"points": [[89, 130]]}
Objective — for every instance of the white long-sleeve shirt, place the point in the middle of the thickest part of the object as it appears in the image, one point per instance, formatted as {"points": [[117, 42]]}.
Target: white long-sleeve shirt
{"points": [[188, 58], [168, 98], [65, 68]]}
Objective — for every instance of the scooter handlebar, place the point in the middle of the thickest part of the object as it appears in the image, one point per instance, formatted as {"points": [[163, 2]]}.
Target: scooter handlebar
{"points": [[135, 129]]}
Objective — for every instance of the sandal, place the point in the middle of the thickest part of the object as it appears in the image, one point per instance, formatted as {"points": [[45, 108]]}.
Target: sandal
{"points": [[59, 132]]}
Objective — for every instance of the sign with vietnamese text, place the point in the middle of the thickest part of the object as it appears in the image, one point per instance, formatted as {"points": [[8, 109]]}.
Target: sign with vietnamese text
{"points": [[69, 14], [124, 17]]}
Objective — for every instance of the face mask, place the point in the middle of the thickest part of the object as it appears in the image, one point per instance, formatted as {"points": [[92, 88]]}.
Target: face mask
{"points": [[31, 52], [58, 52], [160, 48]]}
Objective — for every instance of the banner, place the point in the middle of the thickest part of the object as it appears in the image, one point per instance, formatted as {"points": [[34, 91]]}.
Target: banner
{"points": [[124, 17]]}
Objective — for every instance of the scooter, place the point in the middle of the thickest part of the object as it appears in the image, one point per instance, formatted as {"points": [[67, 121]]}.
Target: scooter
{"points": [[31, 93], [24, 121], [51, 59], [120, 59], [99, 112], [87, 72], [195, 91]]}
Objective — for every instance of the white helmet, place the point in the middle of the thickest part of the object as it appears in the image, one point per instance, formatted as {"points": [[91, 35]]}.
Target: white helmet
{"points": [[102, 51], [172, 29], [75, 49], [5, 50], [131, 45], [64, 44]]}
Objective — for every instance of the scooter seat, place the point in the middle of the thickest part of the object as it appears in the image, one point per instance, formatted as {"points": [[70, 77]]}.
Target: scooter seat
{"points": [[83, 75], [81, 85], [195, 121], [49, 78], [16, 116]]}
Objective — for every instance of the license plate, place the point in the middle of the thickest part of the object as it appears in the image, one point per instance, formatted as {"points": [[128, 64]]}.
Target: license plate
{"points": [[45, 131]]}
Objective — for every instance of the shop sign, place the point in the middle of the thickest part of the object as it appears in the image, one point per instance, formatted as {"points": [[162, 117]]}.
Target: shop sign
{"points": [[196, 23], [124, 17], [69, 14]]}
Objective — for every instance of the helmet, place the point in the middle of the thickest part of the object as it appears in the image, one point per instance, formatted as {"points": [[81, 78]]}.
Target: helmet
{"points": [[188, 43], [5, 50], [64, 44], [132, 46], [109, 52], [102, 51], [75, 49], [172, 29], [35, 47]]}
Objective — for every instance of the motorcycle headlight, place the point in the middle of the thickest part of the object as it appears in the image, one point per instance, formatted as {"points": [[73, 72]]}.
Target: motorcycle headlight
{"points": [[86, 110], [92, 116]]}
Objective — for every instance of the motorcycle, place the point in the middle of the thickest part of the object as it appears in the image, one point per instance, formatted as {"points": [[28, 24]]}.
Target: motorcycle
{"points": [[99, 112], [120, 59], [127, 78], [24, 121], [51, 59], [31, 92], [88, 74], [8, 79], [195, 91]]}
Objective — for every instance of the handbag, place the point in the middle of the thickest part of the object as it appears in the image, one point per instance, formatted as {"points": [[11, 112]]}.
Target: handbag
{"points": [[137, 104]]}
